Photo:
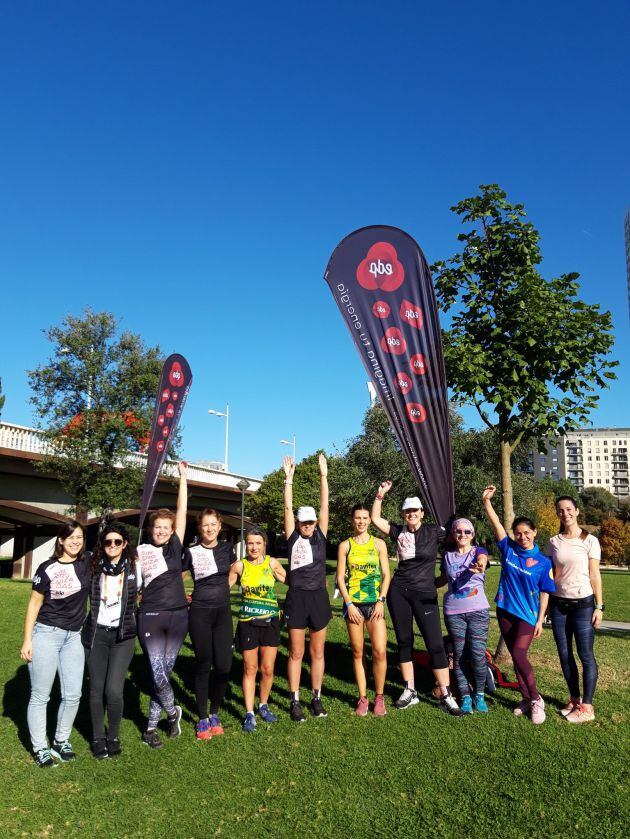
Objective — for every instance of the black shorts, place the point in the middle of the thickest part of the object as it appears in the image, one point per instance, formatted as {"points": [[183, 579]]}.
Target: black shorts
{"points": [[304, 609], [250, 635], [366, 610]]}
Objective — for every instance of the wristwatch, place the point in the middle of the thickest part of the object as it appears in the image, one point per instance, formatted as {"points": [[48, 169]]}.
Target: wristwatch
{"points": [[382, 600], [599, 606]]}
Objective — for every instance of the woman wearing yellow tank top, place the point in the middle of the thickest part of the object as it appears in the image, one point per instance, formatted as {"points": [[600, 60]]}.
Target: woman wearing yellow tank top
{"points": [[365, 558], [258, 628]]}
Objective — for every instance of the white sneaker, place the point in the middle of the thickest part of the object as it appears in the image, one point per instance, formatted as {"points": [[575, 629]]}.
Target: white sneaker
{"points": [[538, 711], [406, 699], [448, 704]]}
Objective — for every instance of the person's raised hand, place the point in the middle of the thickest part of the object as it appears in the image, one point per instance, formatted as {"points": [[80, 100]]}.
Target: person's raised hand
{"points": [[289, 466]]}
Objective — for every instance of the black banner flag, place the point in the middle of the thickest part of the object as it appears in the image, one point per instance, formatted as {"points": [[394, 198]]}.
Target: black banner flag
{"points": [[381, 282], [175, 381]]}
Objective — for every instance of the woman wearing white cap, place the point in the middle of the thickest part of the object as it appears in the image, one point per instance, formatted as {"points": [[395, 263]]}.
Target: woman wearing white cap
{"points": [[307, 604], [412, 594]]}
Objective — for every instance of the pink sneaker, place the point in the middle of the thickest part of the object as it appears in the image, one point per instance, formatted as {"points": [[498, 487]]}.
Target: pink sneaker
{"points": [[363, 707], [583, 713], [523, 708], [379, 705], [538, 711], [571, 705]]}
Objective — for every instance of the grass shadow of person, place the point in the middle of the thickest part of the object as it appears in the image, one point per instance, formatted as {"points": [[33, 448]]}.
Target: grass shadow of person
{"points": [[15, 700]]}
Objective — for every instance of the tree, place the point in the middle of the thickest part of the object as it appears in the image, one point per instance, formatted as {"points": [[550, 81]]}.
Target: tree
{"points": [[597, 504], [614, 537], [95, 396], [526, 352]]}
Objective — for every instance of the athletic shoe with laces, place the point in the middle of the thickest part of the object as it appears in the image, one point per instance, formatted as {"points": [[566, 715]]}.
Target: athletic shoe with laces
{"points": [[44, 759], [448, 704], [406, 699], [296, 711], [538, 711], [362, 707], [174, 729], [265, 714], [582, 713], [113, 746], [152, 739], [202, 730], [466, 706], [63, 751], [523, 708], [571, 705], [249, 723], [479, 704], [215, 725], [379, 705], [317, 709], [99, 749]]}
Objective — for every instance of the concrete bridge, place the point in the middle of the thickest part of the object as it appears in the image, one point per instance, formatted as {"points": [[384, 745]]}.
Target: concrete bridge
{"points": [[34, 504]]}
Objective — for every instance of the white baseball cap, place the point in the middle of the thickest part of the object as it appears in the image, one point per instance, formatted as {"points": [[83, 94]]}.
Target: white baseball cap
{"points": [[306, 514], [412, 503]]}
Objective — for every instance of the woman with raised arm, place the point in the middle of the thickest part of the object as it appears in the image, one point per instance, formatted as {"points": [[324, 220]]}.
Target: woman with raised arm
{"points": [[258, 629], [307, 604], [576, 607], [412, 594], [366, 560], [163, 613], [522, 598]]}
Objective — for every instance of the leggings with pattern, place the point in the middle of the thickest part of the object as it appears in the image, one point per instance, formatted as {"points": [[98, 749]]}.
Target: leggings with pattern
{"points": [[161, 637]]}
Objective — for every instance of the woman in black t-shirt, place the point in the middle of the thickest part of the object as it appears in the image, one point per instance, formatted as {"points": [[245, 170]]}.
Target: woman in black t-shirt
{"points": [[210, 620], [163, 613], [52, 640], [412, 594]]}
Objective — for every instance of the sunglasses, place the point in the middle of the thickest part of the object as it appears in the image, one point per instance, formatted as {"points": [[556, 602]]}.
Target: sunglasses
{"points": [[307, 523], [463, 532], [113, 543], [415, 510]]}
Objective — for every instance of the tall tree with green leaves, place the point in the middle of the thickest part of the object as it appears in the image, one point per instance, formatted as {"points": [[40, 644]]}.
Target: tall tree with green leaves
{"points": [[527, 352], [93, 398]]}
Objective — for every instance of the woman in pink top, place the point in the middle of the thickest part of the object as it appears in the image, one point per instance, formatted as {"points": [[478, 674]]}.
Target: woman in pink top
{"points": [[576, 607]]}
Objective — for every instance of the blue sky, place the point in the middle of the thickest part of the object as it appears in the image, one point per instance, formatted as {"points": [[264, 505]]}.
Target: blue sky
{"points": [[191, 168]]}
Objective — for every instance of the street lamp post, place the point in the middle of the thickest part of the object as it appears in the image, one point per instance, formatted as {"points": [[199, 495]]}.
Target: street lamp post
{"points": [[243, 484], [225, 414], [290, 443]]}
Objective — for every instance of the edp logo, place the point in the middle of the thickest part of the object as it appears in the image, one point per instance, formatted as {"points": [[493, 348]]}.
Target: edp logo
{"points": [[378, 268]]}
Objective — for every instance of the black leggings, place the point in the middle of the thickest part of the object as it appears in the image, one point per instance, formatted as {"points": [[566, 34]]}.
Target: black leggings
{"points": [[108, 662], [161, 636], [211, 634], [406, 604]]}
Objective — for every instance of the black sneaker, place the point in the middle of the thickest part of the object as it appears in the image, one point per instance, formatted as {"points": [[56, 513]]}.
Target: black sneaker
{"points": [[297, 712], [44, 759], [113, 746], [152, 739], [99, 749], [317, 709], [63, 751], [174, 729], [448, 704], [406, 699]]}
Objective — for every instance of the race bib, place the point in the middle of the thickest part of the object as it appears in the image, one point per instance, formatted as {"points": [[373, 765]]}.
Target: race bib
{"points": [[203, 562], [301, 554], [63, 581], [406, 545], [152, 562]]}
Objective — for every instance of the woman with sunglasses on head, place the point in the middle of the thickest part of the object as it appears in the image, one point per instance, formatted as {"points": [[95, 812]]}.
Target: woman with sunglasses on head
{"points": [[109, 634], [307, 604], [163, 613], [52, 640], [366, 560], [522, 597], [466, 611], [412, 595]]}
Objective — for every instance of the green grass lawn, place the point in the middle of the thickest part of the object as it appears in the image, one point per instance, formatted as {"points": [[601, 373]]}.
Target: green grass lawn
{"points": [[413, 773]]}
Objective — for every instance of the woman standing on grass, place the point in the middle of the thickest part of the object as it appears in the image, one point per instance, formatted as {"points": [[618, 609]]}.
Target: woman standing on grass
{"points": [[307, 604], [522, 598], [576, 607], [52, 640], [210, 620], [466, 611], [109, 634], [163, 613], [412, 594], [366, 560], [258, 629]]}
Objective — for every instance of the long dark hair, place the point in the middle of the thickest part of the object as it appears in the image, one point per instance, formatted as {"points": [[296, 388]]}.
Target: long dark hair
{"points": [[67, 529], [129, 553]]}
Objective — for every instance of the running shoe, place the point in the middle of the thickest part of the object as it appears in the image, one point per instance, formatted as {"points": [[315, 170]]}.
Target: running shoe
{"points": [[215, 725], [467, 706], [174, 729], [297, 712], [152, 739], [379, 705], [571, 705], [113, 746], [583, 713], [317, 709], [448, 704], [44, 759], [406, 699], [363, 707], [202, 730], [538, 711], [63, 751], [479, 703], [265, 714], [99, 749], [523, 708], [249, 723]]}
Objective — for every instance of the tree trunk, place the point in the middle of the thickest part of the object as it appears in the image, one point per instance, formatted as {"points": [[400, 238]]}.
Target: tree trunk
{"points": [[501, 652]]}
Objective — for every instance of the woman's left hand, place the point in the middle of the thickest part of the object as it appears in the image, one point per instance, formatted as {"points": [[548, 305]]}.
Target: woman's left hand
{"points": [[323, 465], [378, 612], [538, 629], [598, 616], [182, 468]]}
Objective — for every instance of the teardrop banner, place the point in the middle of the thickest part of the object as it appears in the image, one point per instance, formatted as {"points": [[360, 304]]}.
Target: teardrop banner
{"points": [[175, 381], [381, 282]]}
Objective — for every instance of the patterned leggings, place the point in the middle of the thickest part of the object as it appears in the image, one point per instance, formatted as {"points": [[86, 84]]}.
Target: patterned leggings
{"points": [[469, 630], [161, 636]]}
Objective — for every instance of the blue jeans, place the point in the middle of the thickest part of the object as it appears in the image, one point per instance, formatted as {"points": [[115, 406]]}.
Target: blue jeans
{"points": [[470, 630], [567, 623], [54, 651]]}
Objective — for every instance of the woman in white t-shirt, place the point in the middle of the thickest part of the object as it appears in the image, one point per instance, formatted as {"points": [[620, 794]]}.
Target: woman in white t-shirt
{"points": [[576, 607]]}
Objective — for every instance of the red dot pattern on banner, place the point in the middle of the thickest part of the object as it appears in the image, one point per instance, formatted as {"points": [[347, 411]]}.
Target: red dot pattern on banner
{"points": [[166, 395], [393, 341], [418, 364], [403, 383], [164, 421], [415, 412], [381, 309], [160, 445], [170, 410], [175, 396], [161, 419], [411, 314], [381, 269], [176, 375]]}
